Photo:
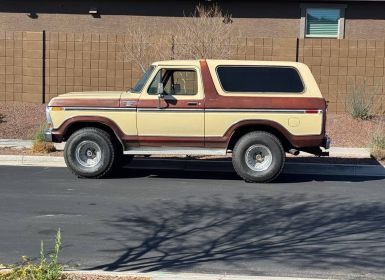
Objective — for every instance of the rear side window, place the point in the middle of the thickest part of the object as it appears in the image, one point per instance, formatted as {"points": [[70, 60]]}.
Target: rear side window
{"points": [[259, 79]]}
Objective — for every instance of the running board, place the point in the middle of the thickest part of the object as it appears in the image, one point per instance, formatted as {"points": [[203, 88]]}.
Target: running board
{"points": [[174, 151]]}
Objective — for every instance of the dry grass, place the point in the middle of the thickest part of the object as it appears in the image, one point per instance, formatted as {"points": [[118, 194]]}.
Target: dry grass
{"points": [[41, 147], [377, 145]]}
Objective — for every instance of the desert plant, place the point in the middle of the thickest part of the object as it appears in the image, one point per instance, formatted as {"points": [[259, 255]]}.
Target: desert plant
{"points": [[39, 145], [47, 268], [377, 145], [361, 102], [204, 34], [2, 118], [142, 48]]}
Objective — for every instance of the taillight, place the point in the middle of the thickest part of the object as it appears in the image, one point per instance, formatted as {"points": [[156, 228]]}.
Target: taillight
{"points": [[312, 111]]}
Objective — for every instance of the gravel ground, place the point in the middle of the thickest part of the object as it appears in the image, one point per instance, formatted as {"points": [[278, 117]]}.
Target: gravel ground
{"points": [[347, 132], [22, 120]]}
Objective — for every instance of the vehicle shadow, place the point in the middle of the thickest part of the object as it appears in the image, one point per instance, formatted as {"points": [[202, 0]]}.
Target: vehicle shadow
{"points": [[298, 231], [209, 175], [222, 170]]}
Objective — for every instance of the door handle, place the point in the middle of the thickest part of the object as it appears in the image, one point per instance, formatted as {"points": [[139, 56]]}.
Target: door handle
{"points": [[192, 103]]}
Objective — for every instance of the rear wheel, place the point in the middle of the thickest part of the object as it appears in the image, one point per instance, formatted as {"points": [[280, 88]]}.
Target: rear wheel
{"points": [[258, 157], [90, 153]]}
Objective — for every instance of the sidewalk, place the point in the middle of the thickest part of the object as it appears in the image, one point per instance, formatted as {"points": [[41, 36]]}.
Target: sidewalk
{"points": [[181, 276]]}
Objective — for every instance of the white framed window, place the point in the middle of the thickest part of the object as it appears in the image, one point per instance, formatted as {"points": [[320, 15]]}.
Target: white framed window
{"points": [[322, 21]]}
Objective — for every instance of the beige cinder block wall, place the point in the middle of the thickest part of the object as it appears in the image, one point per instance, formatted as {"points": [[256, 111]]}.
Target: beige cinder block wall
{"points": [[84, 61]]}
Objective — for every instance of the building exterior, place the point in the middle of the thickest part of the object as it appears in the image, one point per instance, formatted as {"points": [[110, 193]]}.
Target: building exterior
{"points": [[49, 47]]}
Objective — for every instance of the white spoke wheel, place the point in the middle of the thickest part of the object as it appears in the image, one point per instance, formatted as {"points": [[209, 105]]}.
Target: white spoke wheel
{"points": [[90, 153], [258, 157]]}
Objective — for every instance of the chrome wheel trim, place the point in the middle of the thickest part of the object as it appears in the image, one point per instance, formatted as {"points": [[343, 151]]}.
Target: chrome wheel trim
{"points": [[88, 154], [258, 157]]}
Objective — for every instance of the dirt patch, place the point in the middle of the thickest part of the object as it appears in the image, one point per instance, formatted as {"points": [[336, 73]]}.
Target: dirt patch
{"points": [[21, 120]]}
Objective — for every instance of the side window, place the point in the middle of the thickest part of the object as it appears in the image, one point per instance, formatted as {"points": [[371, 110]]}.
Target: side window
{"points": [[259, 79], [175, 82]]}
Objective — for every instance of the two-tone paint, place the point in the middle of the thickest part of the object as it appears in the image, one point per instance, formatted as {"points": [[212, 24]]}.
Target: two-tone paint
{"points": [[207, 120]]}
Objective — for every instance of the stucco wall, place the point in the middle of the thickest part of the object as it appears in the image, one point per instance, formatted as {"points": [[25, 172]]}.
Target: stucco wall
{"points": [[251, 19]]}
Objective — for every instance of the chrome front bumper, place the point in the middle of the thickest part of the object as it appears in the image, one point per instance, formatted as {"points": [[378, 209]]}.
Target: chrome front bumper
{"points": [[48, 135]]}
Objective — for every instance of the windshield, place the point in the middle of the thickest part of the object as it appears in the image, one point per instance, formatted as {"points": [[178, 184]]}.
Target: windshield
{"points": [[140, 84]]}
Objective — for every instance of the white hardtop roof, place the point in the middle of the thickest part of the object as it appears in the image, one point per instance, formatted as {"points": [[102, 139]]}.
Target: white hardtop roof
{"points": [[227, 62]]}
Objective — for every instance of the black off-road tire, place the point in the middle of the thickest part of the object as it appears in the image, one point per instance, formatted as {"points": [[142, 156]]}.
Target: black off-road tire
{"points": [[101, 139], [258, 139]]}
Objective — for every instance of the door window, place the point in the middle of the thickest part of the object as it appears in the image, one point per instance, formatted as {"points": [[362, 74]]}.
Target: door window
{"points": [[175, 82]]}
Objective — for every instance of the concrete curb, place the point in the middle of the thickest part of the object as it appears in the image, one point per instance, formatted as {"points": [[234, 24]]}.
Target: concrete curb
{"points": [[184, 276], [209, 165], [18, 160]]}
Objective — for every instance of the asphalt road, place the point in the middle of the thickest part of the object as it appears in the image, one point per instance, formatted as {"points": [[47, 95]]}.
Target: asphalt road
{"points": [[197, 222]]}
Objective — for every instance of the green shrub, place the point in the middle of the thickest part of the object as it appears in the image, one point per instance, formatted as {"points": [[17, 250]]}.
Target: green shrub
{"points": [[39, 134], [361, 102], [377, 145], [46, 269]]}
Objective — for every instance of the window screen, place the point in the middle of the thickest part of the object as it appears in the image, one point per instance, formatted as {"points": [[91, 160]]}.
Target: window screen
{"points": [[259, 79], [322, 22]]}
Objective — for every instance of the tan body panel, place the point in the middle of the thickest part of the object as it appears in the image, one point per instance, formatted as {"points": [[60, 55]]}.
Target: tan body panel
{"points": [[301, 124], [125, 120]]}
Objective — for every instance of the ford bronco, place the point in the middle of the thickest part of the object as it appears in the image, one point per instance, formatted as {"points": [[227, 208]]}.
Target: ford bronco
{"points": [[255, 110]]}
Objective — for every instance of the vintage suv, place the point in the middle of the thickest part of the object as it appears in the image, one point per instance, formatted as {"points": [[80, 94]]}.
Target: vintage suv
{"points": [[256, 110]]}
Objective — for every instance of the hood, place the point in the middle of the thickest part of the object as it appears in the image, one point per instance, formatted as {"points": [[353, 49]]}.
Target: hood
{"points": [[92, 94], [88, 99]]}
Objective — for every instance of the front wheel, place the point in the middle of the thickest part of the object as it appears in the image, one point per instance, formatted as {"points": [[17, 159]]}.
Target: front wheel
{"points": [[90, 153], [258, 157]]}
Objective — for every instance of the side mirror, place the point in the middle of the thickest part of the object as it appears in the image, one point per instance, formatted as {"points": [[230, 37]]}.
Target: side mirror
{"points": [[160, 90]]}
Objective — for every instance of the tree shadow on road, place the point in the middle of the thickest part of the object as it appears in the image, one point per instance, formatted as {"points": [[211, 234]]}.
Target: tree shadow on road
{"points": [[318, 232]]}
